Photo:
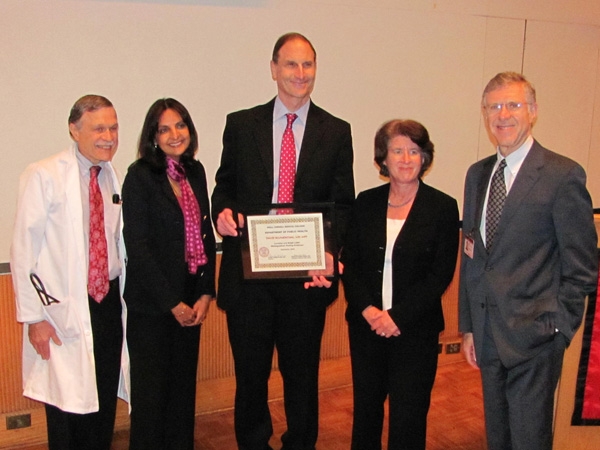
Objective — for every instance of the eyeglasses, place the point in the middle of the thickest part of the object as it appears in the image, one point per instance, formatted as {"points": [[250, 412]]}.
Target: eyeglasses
{"points": [[495, 108]]}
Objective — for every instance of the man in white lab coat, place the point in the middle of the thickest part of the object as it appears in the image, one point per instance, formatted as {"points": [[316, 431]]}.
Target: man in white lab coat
{"points": [[74, 351]]}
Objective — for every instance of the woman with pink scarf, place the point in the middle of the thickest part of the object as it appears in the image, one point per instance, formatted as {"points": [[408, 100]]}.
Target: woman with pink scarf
{"points": [[170, 276]]}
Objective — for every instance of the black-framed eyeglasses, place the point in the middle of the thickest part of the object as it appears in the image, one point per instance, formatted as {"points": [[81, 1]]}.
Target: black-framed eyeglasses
{"points": [[46, 298]]}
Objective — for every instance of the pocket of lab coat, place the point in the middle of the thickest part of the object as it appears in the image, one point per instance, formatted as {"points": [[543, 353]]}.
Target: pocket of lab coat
{"points": [[63, 317]]}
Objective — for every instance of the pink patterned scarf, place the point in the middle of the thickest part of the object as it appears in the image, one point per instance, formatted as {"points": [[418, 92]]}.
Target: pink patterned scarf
{"points": [[194, 247]]}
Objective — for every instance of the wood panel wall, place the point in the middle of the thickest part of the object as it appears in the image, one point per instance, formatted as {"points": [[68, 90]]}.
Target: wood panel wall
{"points": [[10, 356], [216, 382]]}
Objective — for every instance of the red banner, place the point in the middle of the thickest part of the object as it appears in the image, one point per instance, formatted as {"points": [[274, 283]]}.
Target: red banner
{"points": [[587, 394]]}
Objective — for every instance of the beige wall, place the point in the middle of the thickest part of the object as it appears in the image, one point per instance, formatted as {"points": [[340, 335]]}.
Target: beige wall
{"points": [[378, 59]]}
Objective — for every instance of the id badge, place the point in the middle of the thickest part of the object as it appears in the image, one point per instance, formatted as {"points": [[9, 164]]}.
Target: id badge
{"points": [[469, 246]]}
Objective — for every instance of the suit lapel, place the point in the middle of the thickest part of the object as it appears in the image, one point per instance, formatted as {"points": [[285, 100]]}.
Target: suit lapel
{"points": [[194, 181], [418, 215], [413, 214], [528, 175], [310, 142], [165, 186], [263, 136], [482, 185], [376, 214], [197, 182]]}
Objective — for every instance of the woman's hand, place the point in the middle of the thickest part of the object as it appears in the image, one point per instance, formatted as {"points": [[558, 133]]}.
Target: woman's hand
{"points": [[201, 309], [381, 322], [183, 314]]}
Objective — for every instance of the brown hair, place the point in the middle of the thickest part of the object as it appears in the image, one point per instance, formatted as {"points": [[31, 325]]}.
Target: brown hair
{"points": [[412, 130], [286, 38], [88, 103]]}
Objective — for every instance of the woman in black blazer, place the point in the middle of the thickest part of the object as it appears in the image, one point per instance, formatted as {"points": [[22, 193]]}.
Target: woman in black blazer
{"points": [[399, 258], [170, 276]]}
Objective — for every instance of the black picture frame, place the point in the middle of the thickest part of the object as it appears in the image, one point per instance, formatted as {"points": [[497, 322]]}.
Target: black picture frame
{"points": [[284, 214]]}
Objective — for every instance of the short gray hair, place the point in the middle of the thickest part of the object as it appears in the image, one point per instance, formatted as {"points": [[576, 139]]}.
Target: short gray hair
{"points": [[503, 79]]}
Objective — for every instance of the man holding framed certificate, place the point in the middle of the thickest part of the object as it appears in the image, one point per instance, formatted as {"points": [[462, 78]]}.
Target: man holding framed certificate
{"points": [[288, 151]]}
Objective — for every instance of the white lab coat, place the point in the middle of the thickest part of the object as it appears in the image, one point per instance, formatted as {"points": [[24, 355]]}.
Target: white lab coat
{"points": [[49, 241]]}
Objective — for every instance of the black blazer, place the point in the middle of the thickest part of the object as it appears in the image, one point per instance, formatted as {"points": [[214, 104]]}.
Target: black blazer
{"points": [[245, 177], [157, 276], [423, 259]]}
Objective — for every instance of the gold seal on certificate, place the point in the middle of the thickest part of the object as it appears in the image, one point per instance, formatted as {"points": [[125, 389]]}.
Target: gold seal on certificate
{"points": [[291, 241]]}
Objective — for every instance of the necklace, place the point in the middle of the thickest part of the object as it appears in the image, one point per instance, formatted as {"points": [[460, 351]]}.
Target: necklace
{"points": [[391, 205]]}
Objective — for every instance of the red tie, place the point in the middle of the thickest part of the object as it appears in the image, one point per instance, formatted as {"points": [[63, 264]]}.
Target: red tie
{"points": [[98, 265], [287, 163]]}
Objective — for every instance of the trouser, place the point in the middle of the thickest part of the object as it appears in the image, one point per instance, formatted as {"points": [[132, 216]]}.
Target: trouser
{"points": [[94, 431]]}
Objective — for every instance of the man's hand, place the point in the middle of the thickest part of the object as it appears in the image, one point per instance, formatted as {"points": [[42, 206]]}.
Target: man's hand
{"points": [[468, 347], [318, 279], [226, 226], [40, 334]]}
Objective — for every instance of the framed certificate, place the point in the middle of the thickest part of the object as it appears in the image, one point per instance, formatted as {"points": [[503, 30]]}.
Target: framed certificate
{"points": [[288, 242]]}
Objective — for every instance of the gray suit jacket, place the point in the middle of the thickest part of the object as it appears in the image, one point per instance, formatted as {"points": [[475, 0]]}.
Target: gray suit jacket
{"points": [[543, 262]]}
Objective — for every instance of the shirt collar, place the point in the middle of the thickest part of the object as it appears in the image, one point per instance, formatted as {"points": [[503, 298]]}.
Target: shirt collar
{"points": [[84, 163], [280, 111], [516, 158]]}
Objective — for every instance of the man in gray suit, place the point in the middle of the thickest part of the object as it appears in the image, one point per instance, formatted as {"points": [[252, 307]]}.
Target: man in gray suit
{"points": [[529, 261]]}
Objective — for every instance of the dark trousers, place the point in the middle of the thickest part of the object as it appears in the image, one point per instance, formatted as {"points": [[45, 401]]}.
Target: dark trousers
{"points": [[402, 368], [519, 401], [291, 319], [163, 363], [94, 431]]}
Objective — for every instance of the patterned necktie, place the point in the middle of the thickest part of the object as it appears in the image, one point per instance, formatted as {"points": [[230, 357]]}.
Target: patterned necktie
{"points": [[98, 264], [495, 204], [287, 163]]}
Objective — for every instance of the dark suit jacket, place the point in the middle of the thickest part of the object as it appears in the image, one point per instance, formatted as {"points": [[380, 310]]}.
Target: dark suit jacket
{"points": [[157, 274], [543, 262], [245, 178], [423, 259]]}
